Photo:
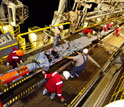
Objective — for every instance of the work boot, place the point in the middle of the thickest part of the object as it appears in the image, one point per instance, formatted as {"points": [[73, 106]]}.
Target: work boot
{"points": [[71, 77], [45, 91], [52, 96], [77, 75]]}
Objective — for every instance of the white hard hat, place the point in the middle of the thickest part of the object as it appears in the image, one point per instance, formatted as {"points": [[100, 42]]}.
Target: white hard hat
{"points": [[66, 74], [61, 27], [104, 25], [94, 32], [111, 22], [117, 25], [85, 51]]}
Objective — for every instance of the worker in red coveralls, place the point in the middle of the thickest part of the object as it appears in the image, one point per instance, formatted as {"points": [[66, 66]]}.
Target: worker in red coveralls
{"points": [[109, 26], [1, 104], [117, 30], [103, 28], [87, 32], [14, 57], [102, 31], [55, 83]]}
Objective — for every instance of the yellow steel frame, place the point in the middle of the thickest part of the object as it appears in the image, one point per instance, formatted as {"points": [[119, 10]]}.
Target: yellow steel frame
{"points": [[41, 29], [1, 61], [2, 30], [21, 40], [118, 90], [17, 31]]}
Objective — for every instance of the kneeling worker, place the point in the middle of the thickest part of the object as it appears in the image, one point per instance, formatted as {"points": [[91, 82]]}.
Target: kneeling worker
{"points": [[88, 32], [14, 57], [55, 83], [80, 62]]}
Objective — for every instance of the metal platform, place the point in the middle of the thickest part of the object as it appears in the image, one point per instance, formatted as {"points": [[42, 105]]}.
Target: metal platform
{"points": [[70, 88]]}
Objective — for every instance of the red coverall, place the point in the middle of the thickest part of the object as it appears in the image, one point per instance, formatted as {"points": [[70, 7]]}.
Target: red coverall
{"points": [[86, 31], [54, 83], [1, 104], [103, 29], [117, 31], [13, 59], [108, 26]]}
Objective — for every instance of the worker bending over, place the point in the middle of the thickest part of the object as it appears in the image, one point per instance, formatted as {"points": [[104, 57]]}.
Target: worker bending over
{"points": [[103, 28], [14, 57], [109, 26], [117, 31], [55, 83], [57, 34], [102, 31], [87, 32], [80, 62]]}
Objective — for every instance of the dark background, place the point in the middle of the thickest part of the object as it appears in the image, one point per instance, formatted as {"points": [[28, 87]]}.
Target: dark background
{"points": [[41, 12]]}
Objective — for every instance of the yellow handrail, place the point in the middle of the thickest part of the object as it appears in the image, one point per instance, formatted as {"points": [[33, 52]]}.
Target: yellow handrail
{"points": [[42, 29], [119, 87]]}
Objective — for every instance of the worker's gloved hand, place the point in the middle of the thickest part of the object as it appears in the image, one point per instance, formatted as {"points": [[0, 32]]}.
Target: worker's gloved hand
{"points": [[62, 100], [21, 61], [7, 64], [43, 71]]}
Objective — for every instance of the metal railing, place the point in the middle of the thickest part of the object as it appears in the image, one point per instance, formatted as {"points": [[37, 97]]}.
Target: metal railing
{"points": [[29, 46]]}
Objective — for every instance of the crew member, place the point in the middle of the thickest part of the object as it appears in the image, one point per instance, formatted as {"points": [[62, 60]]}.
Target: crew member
{"points": [[57, 34], [117, 30], [109, 26], [80, 62], [14, 57], [102, 32], [55, 83], [87, 32], [103, 28]]}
